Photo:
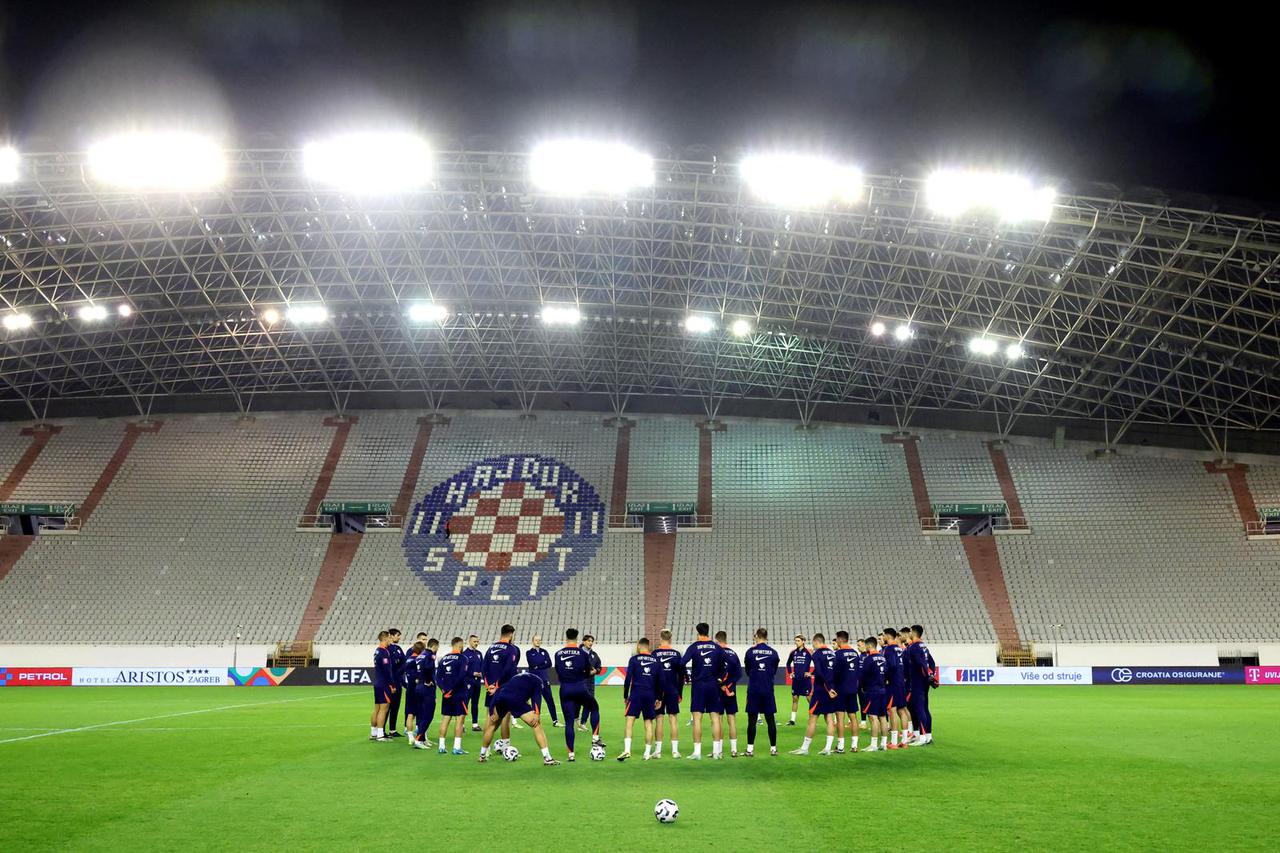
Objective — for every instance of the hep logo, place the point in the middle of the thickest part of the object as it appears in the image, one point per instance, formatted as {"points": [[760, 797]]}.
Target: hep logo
{"points": [[1122, 675], [974, 676]]}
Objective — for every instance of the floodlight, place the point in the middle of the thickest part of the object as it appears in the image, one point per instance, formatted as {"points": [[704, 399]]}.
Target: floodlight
{"points": [[800, 180], [307, 314], [427, 312], [93, 313], [904, 332], [983, 346], [271, 316], [561, 315], [170, 160], [1013, 198], [1013, 352], [579, 167], [699, 324], [124, 309], [741, 328], [17, 322], [9, 161], [370, 163], [877, 328]]}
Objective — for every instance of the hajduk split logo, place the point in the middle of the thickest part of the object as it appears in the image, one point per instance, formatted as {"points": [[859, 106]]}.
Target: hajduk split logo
{"points": [[504, 530]]}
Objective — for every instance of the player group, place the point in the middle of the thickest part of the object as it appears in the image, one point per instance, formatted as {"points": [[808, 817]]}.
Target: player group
{"points": [[879, 683]]}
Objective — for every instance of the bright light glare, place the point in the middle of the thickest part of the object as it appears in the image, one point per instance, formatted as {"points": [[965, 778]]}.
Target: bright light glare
{"points": [[307, 314], [579, 167], [983, 346], [271, 316], [903, 332], [370, 163], [125, 310], [699, 324], [1013, 198], [93, 313], [1013, 351], [741, 328], [877, 328], [173, 160], [8, 164], [427, 312], [17, 322], [800, 180], [561, 315]]}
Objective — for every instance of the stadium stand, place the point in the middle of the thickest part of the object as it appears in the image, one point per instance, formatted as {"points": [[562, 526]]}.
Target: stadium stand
{"points": [[958, 469]]}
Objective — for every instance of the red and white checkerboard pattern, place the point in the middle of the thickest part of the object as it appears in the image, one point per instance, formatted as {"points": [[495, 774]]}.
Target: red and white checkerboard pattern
{"points": [[509, 525]]}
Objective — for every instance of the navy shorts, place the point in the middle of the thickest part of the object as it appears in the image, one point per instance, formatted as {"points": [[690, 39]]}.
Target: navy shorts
{"points": [[381, 693], [671, 703], [877, 704], [728, 702], [502, 707], [820, 703], [641, 706], [898, 697], [455, 705], [848, 702], [705, 697], [801, 686], [762, 702]]}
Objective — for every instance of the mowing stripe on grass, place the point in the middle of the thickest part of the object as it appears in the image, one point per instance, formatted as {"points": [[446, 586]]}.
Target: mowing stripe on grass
{"points": [[170, 716]]}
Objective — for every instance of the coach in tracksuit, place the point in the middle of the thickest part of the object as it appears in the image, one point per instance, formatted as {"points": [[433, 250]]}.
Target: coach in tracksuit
{"points": [[538, 661], [473, 658]]}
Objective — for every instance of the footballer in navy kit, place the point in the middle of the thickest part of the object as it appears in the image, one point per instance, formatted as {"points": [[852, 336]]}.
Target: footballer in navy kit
{"points": [[397, 673], [761, 664], [516, 697], [642, 696], [501, 663], [475, 678], [538, 661], [729, 687], [673, 677], [875, 686], [922, 676], [800, 667], [822, 698], [897, 686], [596, 667], [573, 669], [705, 665], [453, 677], [847, 673], [384, 687]]}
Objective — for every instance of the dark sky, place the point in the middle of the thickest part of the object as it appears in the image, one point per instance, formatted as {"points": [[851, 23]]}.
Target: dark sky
{"points": [[1115, 94]]}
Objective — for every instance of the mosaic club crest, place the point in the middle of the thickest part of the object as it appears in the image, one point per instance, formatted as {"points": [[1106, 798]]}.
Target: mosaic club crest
{"points": [[505, 530]]}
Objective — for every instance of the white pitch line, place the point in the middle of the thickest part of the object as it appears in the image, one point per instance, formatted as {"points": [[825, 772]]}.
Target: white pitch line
{"points": [[170, 716]]}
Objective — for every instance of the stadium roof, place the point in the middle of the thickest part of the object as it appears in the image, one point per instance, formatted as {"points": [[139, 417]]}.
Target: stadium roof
{"points": [[1132, 313]]}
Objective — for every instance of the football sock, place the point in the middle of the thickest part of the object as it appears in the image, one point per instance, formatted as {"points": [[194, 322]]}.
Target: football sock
{"points": [[830, 738], [626, 744], [805, 745], [546, 754]]}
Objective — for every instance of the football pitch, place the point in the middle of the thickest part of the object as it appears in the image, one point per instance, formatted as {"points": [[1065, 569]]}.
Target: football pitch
{"points": [[1013, 768]]}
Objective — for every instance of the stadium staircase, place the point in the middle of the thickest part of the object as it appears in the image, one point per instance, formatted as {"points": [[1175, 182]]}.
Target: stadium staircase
{"points": [[13, 547], [1238, 482], [108, 475], [984, 562], [1009, 491]]}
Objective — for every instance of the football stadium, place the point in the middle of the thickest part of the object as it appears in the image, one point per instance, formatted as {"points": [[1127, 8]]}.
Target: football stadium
{"points": [[639, 498]]}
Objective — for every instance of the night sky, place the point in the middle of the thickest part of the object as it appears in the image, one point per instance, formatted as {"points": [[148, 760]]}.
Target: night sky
{"points": [[1156, 98]]}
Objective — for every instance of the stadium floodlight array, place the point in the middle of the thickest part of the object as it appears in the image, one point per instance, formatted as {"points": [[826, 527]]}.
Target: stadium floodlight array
{"points": [[1013, 198], [370, 163], [983, 346], [124, 309], [173, 161], [428, 312], [800, 180], [561, 315], [92, 312], [1013, 352], [9, 160], [699, 324], [740, 328], [583, 167], [17, 322], [904, 332], [271, 316], [308, 314], [877, 328]]}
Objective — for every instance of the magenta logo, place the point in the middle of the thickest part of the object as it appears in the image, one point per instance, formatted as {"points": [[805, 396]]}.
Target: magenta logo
{"points": [[1262, 675]]}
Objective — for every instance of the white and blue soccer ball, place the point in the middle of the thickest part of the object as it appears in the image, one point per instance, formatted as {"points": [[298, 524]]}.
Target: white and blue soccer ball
{"points": [[597, 752], [666, 811], [510, 753]]}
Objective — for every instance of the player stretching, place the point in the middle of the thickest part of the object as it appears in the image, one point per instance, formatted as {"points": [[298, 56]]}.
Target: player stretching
{"points": [[642, 694], [384, 687], [846, 672], [875, 686], [800, 666], [501, 662], [474, 659], [453, 677], [729, 687], [424, 693], [705, 665], [672, 677], [573, 668], [762, 665], [822, 699], [922, 675], [538, 661], [515, 698], [898, 720]]}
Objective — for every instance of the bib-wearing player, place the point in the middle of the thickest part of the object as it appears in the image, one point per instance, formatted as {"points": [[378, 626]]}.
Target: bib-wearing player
{"points": [[642, 695], [729, 687], [475, 678], [384, 687], [501, 663], [453, 677], [800, 666], [822, 700], [538, 661], [761, 666], [672, 676], [573, 668], [705, 665], [515, 698]]}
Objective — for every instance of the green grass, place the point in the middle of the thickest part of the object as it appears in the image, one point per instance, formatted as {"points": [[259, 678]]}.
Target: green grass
{"points": [[1024, 769]]}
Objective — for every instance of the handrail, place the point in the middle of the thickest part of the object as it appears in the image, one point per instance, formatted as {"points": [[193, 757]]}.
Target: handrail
{"points": [[951, 524]]}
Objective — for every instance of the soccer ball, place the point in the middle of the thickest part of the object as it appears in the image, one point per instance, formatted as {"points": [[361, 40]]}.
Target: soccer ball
{"points": [[510, 753], [597, 752], [666, 811]]}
